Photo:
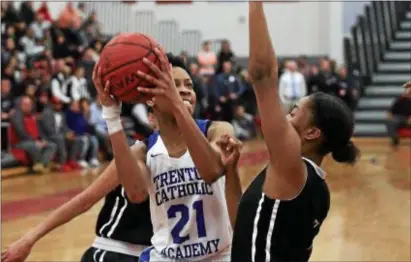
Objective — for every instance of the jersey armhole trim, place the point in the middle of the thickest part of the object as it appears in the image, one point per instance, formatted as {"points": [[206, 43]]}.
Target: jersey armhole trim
{"points": [[294, 197], [318, 170]]}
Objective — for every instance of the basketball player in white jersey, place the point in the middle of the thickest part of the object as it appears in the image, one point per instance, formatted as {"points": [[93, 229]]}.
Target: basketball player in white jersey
{"points": [[116, 240], [180, 169]]}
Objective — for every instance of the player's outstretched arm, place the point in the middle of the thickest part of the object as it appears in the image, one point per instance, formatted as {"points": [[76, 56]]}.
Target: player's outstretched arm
{"points": [[205, 153], [132, 171], [106, 182], [285, 170], [230, 154]]}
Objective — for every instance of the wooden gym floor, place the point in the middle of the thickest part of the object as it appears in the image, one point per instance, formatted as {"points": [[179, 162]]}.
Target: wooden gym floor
{"points": [[369, 218]]}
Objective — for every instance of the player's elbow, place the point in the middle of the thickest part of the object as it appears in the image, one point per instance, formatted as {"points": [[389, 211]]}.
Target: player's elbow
{"points": [[262, 68], [137, 197]]}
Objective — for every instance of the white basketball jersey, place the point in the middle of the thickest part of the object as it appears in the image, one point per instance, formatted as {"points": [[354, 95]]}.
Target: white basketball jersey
{"points": [[190, 218]]}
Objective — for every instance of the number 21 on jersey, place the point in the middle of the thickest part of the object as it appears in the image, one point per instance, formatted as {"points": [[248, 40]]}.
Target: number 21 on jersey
{"points": [[185, 213]]}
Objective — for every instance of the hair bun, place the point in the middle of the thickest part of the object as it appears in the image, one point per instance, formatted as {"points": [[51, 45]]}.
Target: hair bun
{"points": [[347, 153]]}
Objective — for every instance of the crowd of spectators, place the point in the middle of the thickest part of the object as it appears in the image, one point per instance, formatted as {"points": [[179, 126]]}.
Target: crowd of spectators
{"points": [[49, 110], [225, 92]]}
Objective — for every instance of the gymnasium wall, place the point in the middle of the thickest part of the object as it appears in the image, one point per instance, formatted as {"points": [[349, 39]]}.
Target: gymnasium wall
{"points": [[296, 27]]}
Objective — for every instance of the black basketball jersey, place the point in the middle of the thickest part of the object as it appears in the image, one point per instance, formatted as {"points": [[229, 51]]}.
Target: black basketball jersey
{"points": [[120, 219], [275, 230]]}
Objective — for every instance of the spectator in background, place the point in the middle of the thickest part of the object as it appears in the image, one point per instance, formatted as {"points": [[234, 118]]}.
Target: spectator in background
{"points": [[31, 87], [303, 66], [225, 54], [44, 12], [69, 17], [30, 44], [30, 139], [81, 7], [7, 103], [228, 89], [78, 123], [44, 65], [92, 26], [8, 51], [30, 82], [53, 124], [207, 60], [292, 86], [92, 53], [42, 101], [399, 114], [243, 124], [21, 28], [77, 85], [199, 89], [62, 50], [327, 79], [344, 90], [10, 15], [10, 32], [40, 26], [27, 12], [313, 80], [69, 23], [59, 83], [248, 99], [11, 72]]}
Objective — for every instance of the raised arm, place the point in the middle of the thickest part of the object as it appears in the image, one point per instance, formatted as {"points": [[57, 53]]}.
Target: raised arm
{"points": [[131, 168], [285, 175], [132, 171]]}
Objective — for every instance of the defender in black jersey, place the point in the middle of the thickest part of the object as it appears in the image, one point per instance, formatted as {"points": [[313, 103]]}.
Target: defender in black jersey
{"points": [[275, 230], [123, 230], [282, 210]]}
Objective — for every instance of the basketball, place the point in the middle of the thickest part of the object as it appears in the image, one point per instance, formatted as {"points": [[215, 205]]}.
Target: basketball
{"points": [[120, 60]]}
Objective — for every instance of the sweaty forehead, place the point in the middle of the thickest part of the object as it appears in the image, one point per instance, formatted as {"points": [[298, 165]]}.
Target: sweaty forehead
{"points": [[180, 74]]}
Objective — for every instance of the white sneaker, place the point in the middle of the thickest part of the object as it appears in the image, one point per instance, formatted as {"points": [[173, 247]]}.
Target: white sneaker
{"points": [[94, 162], [83, 164]]}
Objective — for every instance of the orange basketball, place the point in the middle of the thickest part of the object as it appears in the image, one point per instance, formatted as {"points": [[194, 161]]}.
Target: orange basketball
{"points": [[120, 60]]}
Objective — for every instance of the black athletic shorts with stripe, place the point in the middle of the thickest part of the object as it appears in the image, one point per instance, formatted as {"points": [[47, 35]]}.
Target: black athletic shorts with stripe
{"points": [[97, 255], [275, 230]]}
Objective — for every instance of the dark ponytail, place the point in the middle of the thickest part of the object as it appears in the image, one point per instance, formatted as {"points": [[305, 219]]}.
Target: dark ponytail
{"points": [[176, 61], [336, 122], [347, 153]]}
